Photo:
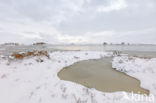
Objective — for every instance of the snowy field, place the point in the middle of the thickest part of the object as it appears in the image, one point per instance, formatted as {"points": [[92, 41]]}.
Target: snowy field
{"points": [[29, 81]]}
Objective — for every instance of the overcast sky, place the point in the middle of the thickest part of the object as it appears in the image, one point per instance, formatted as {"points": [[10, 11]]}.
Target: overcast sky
{"points": [[78, 21]]}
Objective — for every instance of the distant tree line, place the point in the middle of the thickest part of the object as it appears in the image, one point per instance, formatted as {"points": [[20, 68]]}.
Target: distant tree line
{"points": [[122, 43]]}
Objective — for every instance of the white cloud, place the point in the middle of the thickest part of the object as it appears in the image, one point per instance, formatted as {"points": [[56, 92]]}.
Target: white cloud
{"points": [[113, 6], [66, 39], [138, 36], [77, 21]]}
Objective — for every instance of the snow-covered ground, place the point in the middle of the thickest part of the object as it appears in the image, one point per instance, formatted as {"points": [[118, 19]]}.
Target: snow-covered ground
{"points": [[140, 68], [29, 81]]}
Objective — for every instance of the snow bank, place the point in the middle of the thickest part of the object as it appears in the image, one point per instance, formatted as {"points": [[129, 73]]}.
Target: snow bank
{"points": [[29, 81], [142, 69]]}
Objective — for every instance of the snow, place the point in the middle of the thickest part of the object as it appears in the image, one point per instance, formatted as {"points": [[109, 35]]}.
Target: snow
{"points": [[29, 81], [140, 68]]}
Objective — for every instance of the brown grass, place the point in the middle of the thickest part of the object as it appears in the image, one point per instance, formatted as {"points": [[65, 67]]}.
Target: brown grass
{"points": [[44, 53], [30, 54], [18, 56]]}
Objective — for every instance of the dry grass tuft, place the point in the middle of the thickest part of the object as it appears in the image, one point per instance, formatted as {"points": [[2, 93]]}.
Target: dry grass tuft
{"points": [[30, 54], [18, 56]]}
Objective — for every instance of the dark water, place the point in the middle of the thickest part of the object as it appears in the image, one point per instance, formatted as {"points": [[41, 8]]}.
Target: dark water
{"points": [[100, 75]]}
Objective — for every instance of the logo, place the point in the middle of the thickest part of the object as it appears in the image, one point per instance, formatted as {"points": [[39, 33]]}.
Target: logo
{"points": [[138, 97]]}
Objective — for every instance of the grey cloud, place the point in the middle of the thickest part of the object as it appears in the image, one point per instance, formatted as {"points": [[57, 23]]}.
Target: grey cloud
{"points": [[51, 11], [138, 15], [1, 29], [38, 18]]}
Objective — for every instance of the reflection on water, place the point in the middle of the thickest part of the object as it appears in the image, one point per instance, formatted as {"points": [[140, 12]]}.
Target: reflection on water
{"points": [[133, 50], [151, 48], [100, 75]]}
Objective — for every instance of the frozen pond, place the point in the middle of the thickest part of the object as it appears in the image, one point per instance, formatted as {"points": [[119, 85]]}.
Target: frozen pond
{"points": [[99, 74]]}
